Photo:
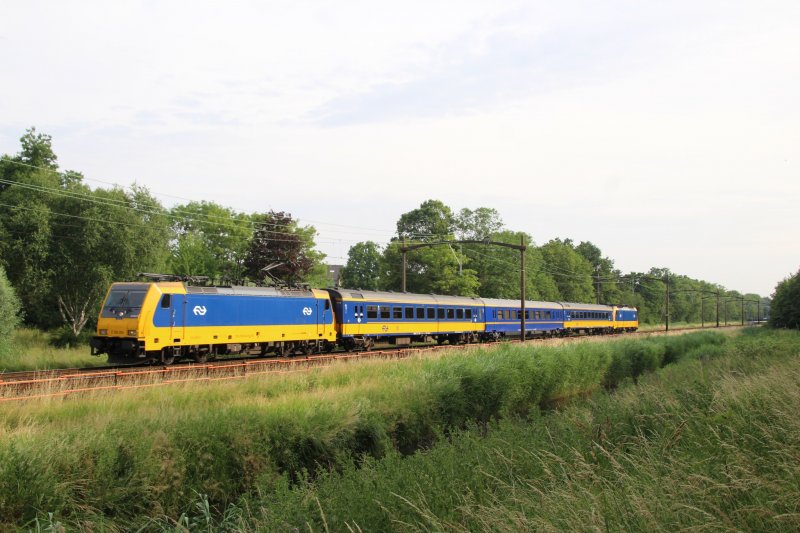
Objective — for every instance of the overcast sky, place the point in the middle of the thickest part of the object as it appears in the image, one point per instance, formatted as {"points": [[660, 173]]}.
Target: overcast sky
{"points": [[667, 133]]}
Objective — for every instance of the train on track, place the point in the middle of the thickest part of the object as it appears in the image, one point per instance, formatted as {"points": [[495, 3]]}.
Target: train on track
{"points": [[163, 321]]}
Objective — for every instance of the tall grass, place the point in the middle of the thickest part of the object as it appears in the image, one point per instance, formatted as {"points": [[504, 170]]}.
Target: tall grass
{"points": [[32, 350], [120, 460], [710, 444]]}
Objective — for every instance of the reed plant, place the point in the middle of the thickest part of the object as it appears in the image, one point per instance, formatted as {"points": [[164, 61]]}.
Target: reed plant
{"points": [[148, 457]]}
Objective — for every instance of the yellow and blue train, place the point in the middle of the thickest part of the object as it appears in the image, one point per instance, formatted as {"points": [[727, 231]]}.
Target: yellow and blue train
{"points": [[162, 321]]}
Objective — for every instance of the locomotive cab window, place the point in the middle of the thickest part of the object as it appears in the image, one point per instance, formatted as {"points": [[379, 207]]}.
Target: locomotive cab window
{"points": [[166, 300]]}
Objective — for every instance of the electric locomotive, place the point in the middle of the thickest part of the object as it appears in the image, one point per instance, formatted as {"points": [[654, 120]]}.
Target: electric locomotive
{"points": [[165, 321]]}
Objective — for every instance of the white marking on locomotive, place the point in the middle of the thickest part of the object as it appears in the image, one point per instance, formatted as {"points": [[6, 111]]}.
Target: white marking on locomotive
{"points": [[307, 311], [199, 310]]}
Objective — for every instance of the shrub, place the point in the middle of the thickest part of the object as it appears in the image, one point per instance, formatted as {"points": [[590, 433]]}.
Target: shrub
{"points": [[9, 312]]}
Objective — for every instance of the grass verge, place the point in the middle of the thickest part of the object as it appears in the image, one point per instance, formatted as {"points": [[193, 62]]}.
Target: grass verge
{"points": [[127, 459]]}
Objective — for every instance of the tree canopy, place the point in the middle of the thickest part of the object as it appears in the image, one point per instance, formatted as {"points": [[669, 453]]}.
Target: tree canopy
{"points": [[62, 242], [785, 311]]}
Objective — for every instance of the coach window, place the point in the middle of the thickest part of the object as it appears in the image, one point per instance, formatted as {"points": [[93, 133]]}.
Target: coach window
{"points": [[409, 313], [468, 314], [451, 313], [397, 313], [372, 311], [440, 312], [431, 313], [385, 311], [460, 314], [420, 313]]}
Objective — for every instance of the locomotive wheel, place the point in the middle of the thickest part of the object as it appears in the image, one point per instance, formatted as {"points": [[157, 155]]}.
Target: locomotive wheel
{"points": [[200, 357], [167, 359]]}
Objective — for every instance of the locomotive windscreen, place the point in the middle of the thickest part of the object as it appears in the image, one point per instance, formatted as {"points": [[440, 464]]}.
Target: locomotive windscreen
{"points": [[123, 303]]}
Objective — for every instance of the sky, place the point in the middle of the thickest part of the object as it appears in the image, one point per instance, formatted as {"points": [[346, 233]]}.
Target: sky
{"points": [[666, 133]]}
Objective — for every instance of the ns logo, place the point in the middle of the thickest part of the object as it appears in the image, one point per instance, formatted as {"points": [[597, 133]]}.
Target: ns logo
{"points": [[199, 310]]}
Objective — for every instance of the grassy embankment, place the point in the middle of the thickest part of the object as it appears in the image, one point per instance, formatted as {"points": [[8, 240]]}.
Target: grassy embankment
{"points": [[711, 443], [129, 459], [32, 350]]}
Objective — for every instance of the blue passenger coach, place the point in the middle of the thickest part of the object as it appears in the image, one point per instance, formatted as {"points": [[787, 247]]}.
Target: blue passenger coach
{"points": [[503, 318], [366, 317]]}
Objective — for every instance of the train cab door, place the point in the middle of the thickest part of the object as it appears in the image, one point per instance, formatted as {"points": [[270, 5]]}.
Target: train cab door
{"points": [[177, 312], [324, 312]]}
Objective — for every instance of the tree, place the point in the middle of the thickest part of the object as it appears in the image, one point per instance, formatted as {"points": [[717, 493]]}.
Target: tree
{"points": [[431, 221], [440, 269], [284, 250], [115, 235], [570, 270], [63, 243], [497, 268], [211, 240], [9, 312], [785, 309], [363, 268], [606, 278], [477, 224]]}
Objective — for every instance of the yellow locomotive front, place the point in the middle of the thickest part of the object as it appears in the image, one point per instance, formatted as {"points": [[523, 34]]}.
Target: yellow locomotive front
{"points": [[120, 328]]}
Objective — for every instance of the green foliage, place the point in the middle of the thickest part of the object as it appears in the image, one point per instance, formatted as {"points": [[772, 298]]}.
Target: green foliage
{"points": [[571, 271], [708, 444], [150, 453], [363, 267], [283, 250], [9, 312], [210, 240], [785, 310], [65, 242]]}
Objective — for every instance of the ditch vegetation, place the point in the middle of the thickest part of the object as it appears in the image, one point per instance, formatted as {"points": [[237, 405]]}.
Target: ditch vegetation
{"points": [[586, 435]]}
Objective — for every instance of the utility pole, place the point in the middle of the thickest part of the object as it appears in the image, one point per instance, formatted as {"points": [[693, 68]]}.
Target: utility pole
{"points": [[405, 264], [522, 287], [702, 311], [717, 307], [743, 310], [597, 284], [666, 285]]}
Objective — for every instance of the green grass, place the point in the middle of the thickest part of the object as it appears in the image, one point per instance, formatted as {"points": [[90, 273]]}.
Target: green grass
{"points": [[129, 459], [31, 350], [709, 444]]}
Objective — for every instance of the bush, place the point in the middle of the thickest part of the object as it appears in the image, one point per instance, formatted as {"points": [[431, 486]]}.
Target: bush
{"points": [[785, 312], [9, 312]]}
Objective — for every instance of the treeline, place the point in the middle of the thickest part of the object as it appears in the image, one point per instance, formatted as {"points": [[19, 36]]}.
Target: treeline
{"points": [[558, 270], [62, 243]]}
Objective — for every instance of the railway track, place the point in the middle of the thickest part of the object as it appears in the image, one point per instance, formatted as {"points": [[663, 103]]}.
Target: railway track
{"points": [[67, 381]]}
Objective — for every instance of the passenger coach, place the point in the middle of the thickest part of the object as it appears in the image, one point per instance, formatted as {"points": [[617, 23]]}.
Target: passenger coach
{"points": [[503, 318], [364, 318]]}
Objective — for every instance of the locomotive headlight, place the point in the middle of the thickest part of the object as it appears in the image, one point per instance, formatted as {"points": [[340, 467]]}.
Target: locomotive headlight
{"points": [[131, 332], [103, 332]]}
